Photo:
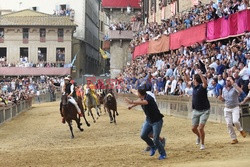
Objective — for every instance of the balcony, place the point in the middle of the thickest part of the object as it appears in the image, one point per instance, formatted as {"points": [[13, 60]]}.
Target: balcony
{"points": [[127, 35]]}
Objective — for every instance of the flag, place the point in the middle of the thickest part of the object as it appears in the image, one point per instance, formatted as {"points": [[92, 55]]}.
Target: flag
{"points": [[74, 59], [104, 55]]}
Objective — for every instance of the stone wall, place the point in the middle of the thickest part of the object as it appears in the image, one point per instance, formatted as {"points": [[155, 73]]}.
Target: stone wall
{"points": [[182, 106], [119, 56]]}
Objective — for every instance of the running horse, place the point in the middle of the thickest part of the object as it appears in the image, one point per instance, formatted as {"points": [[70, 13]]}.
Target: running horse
{"points": [[100, 97], [110, 104], [91, 103], [70, 113]]}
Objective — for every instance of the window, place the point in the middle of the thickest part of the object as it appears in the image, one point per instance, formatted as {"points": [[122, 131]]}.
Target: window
{"points": [[1, 32], [1, 35], [60, 54], [34, 8], [25, 33], [24, 54], [42, 54], [3, 54], [60, 35], [63, 7], [42, 32]]}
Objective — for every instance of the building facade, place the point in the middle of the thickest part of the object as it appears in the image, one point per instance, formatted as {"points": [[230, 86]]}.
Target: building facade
{"points": [[120, 12], [158, 10], [35, 37], [85, 14]]}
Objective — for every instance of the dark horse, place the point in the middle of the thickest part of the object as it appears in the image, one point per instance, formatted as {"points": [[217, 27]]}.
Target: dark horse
{"points": [[70, 113], [100, 97], [110, 104]]}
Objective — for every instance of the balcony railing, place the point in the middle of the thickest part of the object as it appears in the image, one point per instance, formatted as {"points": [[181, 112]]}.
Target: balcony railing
{"points": [[120, 34]]}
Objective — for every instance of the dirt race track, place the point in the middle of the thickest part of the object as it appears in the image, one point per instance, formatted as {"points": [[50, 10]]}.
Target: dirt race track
{"points": [[38, 138]]}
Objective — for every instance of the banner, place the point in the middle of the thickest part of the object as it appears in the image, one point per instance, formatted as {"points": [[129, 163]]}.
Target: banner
{"points": [[141, 49], [158, 46], [235, 24], [188, 37]]}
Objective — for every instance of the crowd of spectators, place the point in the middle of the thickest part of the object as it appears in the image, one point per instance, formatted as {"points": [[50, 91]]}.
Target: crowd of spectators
{"points": [[196, 15], [14, 89], [65, 12], [121, 26], [165, 72], [35, 65]]}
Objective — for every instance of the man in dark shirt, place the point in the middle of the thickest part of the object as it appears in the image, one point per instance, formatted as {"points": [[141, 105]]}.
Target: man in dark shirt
{"points": [[200, 106], [153, 121]]}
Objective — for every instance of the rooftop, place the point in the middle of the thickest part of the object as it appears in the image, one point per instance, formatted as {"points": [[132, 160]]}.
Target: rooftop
{"points": [[33, 18]]}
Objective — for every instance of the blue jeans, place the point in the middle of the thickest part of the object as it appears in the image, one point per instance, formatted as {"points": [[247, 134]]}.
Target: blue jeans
{"points": [[156, 128]]}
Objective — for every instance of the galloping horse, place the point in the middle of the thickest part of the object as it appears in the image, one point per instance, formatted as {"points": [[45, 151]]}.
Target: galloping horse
{"points": [[100, 97], [91, 103], [110, 104], [70, 113]]}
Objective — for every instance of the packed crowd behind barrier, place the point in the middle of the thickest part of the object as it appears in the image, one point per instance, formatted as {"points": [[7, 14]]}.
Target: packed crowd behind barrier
{"points": [[14, 89], [24, 63], [198, 14], [164, 73]]}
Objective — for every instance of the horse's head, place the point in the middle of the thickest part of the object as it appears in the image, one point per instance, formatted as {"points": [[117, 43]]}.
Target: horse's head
{"points": [[109, 97], [64, 99]]}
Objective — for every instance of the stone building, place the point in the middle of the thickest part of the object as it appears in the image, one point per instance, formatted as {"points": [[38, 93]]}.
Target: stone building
{"points": [[83, 13], [156, 10], [120, 11], [35, 37]]}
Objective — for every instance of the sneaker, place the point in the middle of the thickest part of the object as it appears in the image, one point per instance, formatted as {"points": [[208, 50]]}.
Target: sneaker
{"points": [[235, 141], [161, 157], [243, 133], [198, 141], [163, 142], [202, 147], [152, 151], [147, 149]]}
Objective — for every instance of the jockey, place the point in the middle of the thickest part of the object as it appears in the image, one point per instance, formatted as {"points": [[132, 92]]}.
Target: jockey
{"points": [[92, 90], [69, 89]]}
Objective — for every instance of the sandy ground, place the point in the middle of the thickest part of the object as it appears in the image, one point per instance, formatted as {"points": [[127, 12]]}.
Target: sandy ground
{"points": [[38, 138]]}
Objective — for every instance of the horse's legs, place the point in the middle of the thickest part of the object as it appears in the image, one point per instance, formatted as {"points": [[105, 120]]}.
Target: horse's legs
{"points": [[104, 108], [114, 116], [97, 113], [91, 114], [71, 129], [83, 114], [110, 116], [79, 124]]}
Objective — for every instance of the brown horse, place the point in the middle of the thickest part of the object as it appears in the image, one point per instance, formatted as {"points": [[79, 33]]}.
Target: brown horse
{"points": [[110, 104], [70, 113]]}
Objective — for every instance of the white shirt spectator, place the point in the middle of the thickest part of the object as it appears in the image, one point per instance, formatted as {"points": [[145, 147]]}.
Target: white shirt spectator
{"points": [[244, 73], [189, 91], [173, 86], [214, 65]]}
